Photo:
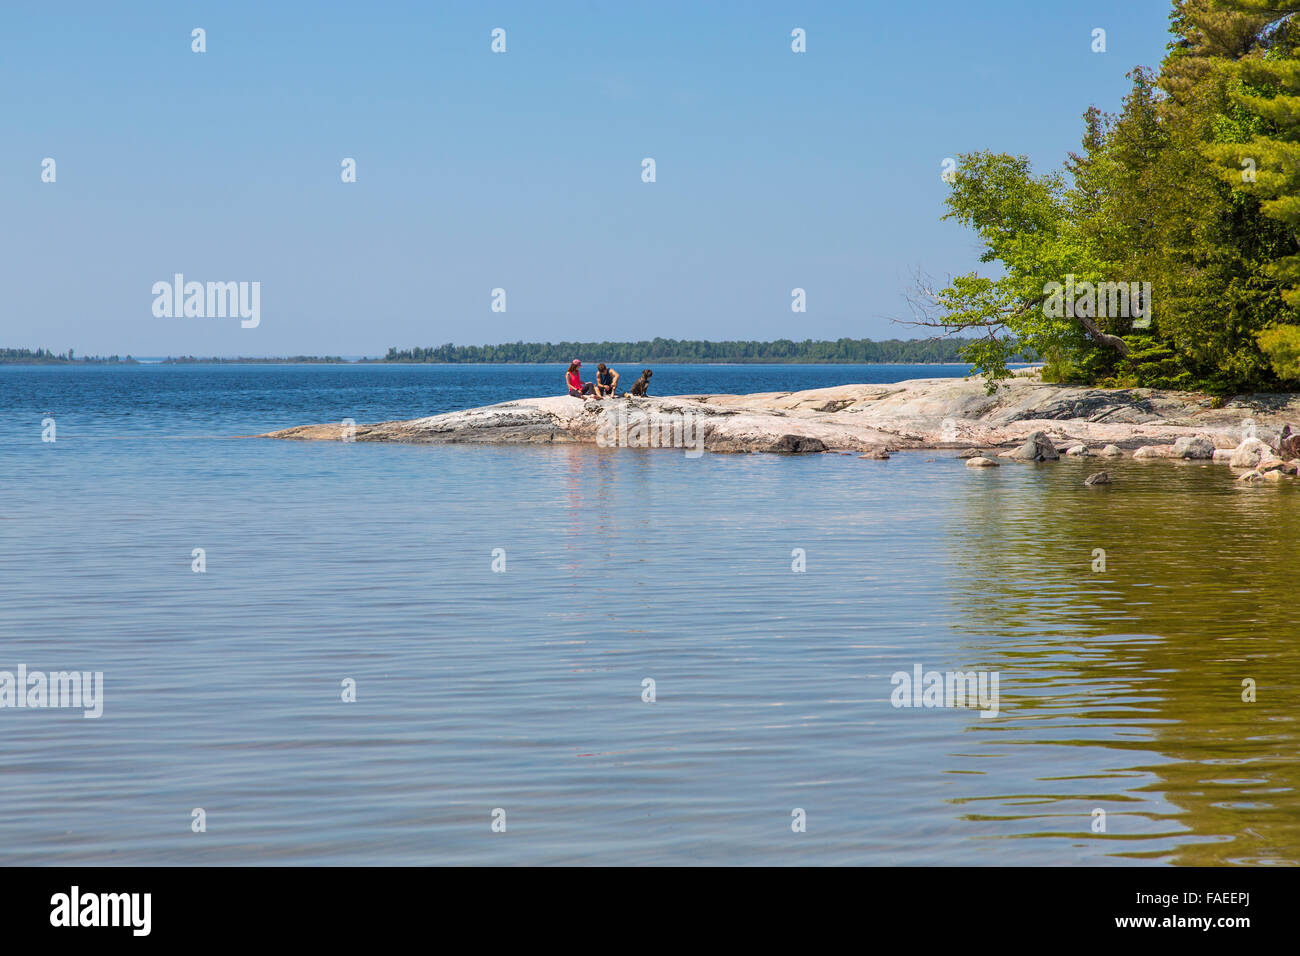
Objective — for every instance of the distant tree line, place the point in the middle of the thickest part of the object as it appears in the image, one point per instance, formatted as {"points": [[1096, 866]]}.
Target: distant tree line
{"points": [[46, 357], [665, 351], [287, 360], [687, 351]]}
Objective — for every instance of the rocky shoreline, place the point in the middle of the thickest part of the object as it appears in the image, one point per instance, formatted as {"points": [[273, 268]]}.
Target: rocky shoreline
{"points": [[874, 420]]}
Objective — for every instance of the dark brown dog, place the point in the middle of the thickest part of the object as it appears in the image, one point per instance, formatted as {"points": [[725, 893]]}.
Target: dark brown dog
{"points": [[642, 384]]}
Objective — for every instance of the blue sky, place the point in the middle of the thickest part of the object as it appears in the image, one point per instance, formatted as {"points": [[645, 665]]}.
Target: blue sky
{"points": [[520, 170]]}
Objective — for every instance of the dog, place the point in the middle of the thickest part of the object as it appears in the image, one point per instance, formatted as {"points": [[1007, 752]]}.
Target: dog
{"points": [[641, 385]]}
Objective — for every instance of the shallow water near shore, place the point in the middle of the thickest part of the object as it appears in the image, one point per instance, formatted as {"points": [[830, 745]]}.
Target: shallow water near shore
{"points": [[1120, 689]]}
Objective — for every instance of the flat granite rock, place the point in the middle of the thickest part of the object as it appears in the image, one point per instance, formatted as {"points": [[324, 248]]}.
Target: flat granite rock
{"points": [[921, 413]]}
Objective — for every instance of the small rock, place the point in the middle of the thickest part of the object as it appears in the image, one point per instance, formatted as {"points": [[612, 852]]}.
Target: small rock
{"points": [[1077, 450], [1200, 447], [1222, 455], [1251, 475], [971, 453], [877, 454], [1148, 451], [1269, 464], [1100, 478], [1276, 475], [1112, 451], [981, 462], [1037, 447], [1250, 453]]}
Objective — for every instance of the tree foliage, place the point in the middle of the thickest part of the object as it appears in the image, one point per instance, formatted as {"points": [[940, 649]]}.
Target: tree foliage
{"points": [[669, 351], [46, 357], [1192, 190]]}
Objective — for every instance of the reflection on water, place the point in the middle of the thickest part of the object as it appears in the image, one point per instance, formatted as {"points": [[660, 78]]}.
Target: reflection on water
{"points": [[1142, 665], [1121, 690]]}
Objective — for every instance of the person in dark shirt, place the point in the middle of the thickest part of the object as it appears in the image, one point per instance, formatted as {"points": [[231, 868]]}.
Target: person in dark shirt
{"points": [[606, 381]]}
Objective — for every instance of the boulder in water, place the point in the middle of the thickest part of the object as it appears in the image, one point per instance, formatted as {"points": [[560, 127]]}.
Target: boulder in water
{"points": [[1037, 447], [797, 445], [1199, 447], [1250, 453]]}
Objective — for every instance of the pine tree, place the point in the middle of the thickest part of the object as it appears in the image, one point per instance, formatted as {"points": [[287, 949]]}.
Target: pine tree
{"points": [[1258, 137]]}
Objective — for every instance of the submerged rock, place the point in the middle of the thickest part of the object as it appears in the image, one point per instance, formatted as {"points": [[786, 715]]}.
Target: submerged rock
{"points": [[981, 462], [1100, 478], [1251, 475], [877, 454]]}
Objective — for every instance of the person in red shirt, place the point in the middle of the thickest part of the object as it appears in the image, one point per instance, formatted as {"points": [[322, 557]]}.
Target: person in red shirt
{"points": [[574, 380]]}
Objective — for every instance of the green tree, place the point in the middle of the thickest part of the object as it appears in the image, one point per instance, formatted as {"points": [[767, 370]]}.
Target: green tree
{"points": [[1156, 195]]}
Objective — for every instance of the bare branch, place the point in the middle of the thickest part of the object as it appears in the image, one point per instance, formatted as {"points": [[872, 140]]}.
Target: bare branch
{"points": [[1104, 338]]}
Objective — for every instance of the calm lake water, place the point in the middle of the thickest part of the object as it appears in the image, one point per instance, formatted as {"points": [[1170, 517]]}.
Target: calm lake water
{"points": [[1120, 690]]}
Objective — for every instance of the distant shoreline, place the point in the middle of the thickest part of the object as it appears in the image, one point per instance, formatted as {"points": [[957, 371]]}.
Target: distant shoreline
{"points": [[364, 361], [658, 351]]}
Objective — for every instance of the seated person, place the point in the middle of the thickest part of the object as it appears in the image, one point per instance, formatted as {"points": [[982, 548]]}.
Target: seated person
{"points": [[574, 380], [606, 380]]}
